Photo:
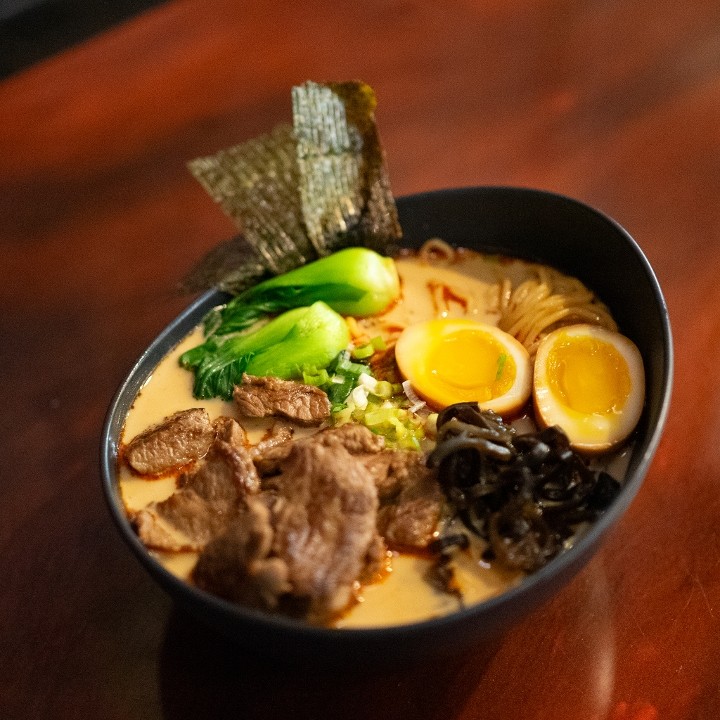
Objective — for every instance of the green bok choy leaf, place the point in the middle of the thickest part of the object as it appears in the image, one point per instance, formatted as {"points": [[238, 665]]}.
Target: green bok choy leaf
{"points": [[354, 281], [299, 338]]}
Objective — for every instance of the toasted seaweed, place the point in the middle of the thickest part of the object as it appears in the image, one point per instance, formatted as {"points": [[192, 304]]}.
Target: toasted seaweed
{"points": [[256, 184], [344, 185], [300, 192], [232, 266]]}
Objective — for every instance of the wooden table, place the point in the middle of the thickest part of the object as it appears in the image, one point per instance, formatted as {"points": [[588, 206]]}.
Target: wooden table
{"points": [[615, 103]]}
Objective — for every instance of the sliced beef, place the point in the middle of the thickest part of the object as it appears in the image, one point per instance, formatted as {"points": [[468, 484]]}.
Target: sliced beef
{"points": [[279, 433], [325, 524], [237, 564], [230, 430], [226, 473], [176, 441], [203, 504], [269, 396], [269, 453], [356, 439], [184, 521], [412, 519], [377, 560], [392, 470], [411, 500], [321, 524], [272, 449], [305, 543]]}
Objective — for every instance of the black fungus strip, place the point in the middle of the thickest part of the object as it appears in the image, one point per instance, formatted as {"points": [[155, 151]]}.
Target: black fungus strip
{"points": [[525, 495]]}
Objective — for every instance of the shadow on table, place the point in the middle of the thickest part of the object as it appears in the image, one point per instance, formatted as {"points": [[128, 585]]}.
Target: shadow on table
{"points": [[203, 674]]}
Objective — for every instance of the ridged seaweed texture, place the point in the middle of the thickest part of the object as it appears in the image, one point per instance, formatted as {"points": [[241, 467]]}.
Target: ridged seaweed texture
{"points": [[345, 188], [257, 185], [300, 192]]}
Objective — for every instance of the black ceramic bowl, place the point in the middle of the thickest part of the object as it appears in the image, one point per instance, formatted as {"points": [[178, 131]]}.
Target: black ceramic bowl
{"points": [[534, 225]]}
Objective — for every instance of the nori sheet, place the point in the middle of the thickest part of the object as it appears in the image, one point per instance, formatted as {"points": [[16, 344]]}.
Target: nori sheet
{"points": [[232, 266], [256, 184], [300, 192], [344, 184]]}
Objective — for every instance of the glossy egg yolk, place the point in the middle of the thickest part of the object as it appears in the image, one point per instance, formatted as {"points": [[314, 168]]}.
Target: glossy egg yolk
{"points": [[455, 360], [589, 375], [589, 381]]}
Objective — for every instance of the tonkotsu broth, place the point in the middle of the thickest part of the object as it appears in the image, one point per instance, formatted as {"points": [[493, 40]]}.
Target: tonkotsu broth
{"points": [[469, 286]]}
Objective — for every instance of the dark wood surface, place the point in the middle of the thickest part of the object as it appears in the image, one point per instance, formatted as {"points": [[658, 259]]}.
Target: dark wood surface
{"points": [[616, 103]]}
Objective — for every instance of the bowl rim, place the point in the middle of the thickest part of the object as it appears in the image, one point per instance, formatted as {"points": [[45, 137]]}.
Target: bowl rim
{"points": [[534, 584]]}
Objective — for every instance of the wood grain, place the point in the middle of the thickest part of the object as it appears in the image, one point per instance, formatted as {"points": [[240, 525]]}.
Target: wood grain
{"points": [[615, 103]]}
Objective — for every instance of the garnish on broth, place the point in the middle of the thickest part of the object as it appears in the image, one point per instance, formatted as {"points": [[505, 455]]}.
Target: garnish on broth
{"points": [[450, 360], [354, 281], [591, 382], [385, 384], [301, 192], [309, 336], [524, 494]]}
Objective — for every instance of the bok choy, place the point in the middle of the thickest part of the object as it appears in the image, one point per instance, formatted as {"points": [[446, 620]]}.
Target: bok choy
{"points": [[297, 339], [354, 281]]}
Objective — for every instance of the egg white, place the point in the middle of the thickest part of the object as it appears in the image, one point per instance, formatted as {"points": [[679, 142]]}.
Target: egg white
{"points": [[417, 343], [589, 432]]}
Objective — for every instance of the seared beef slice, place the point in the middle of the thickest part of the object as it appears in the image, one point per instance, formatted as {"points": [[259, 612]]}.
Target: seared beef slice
{"points": [[356, 439], [203, 505], [236, 565], [411, 500], [269, 396], [176, 441], [229, 430], [273, 448], [325, 522]]}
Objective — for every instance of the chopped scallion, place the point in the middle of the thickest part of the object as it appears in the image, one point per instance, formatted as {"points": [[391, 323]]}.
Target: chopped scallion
{"points": [[363, 352], [502, 359]]}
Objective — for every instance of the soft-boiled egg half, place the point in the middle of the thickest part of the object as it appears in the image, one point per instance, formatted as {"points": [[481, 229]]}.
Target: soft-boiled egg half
{"points": [[590, 381], [450, 360]]}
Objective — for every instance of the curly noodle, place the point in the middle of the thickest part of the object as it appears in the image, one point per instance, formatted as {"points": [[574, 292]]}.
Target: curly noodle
{"points": [[437, 251], [537, 306]]}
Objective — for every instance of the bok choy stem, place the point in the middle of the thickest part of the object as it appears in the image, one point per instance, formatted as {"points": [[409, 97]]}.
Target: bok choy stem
{"points": [[299, 338], [354, 281]]}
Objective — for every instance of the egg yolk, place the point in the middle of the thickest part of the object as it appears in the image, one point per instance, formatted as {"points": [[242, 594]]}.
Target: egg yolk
{"points": [[473, 364], [589, 375]]}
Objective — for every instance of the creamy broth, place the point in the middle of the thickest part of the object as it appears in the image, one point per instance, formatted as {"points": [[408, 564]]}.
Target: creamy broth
{"points": [[432, 290], [428, 291]]}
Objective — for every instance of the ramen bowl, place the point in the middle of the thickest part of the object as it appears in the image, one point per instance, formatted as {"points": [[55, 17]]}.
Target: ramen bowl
{"points": [[534, 225]]}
